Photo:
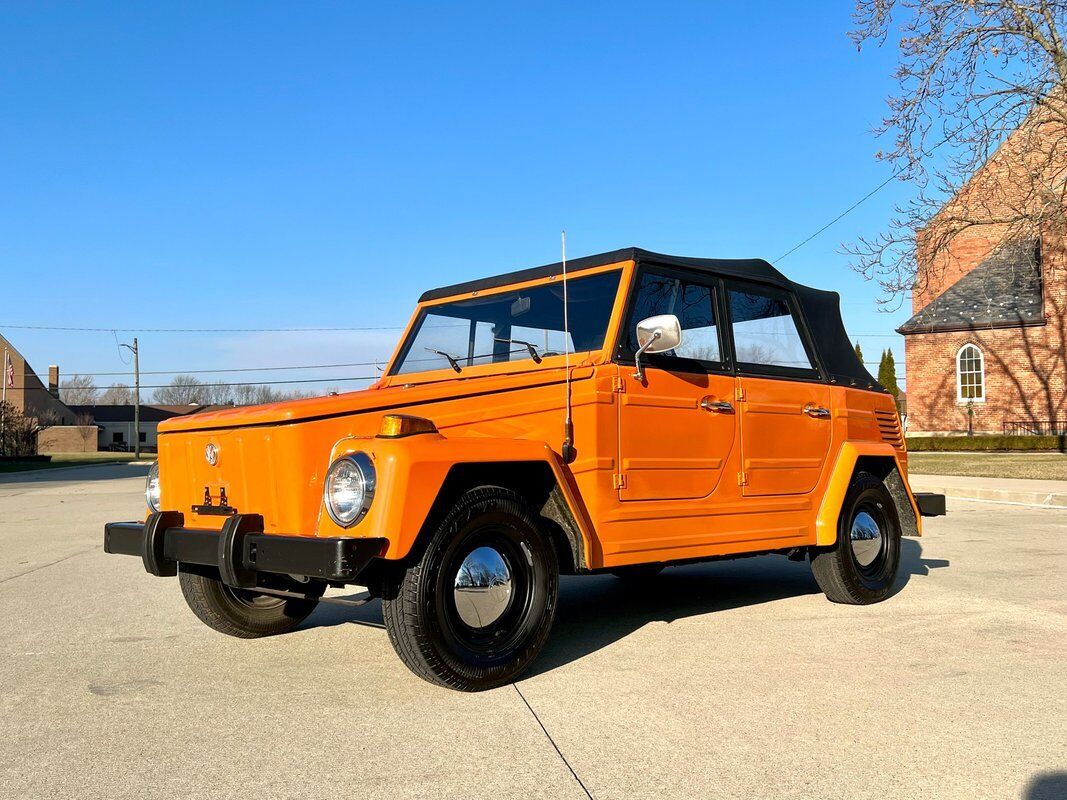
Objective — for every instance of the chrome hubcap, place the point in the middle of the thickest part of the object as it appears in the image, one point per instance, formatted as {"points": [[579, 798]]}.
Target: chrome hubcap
{"points": [[866, 539], [482, 587]]}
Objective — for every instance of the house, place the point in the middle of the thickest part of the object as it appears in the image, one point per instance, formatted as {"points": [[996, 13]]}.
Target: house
{"points": [[985, 347], [115, 423]]}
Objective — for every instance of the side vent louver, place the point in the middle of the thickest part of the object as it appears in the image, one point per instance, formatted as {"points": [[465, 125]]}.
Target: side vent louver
{"points": [[889, 428]]}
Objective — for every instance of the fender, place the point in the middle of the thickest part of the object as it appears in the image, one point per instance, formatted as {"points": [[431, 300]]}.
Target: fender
{"points": [[830, 509], [411, 471]]}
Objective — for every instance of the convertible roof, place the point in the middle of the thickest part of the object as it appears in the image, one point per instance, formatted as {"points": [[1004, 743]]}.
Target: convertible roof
{"points": [[752, 268], [821, 309]]}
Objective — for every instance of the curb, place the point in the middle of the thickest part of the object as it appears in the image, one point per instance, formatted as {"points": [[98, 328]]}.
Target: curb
{"points": [[1042, 499]]}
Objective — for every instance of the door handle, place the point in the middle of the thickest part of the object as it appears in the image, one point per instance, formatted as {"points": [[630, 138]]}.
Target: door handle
{"points": [[816, 412], [716, 406]]}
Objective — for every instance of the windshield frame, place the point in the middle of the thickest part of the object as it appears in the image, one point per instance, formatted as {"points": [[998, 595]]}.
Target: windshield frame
{"points": [[597, 355]]}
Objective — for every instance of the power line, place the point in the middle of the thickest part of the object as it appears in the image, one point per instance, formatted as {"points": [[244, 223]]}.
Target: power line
{"points": [[246, 383], [235, 369], [844, 213], [896, 174], [196, 330]]}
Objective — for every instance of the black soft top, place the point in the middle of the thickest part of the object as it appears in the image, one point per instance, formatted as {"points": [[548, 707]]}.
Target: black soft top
{"points": [[822, 311], [752, 268]]}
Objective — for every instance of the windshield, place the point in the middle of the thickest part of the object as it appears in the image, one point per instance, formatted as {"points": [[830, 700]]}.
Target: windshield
{"points": [[511, 326]]}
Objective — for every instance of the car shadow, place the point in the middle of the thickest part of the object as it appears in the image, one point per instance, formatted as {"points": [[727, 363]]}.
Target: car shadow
{"points": [[75, 474], [1047, 786], [596, 611]]}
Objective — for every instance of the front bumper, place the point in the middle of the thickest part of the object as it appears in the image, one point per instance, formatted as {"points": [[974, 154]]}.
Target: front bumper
{"points": [[240, 550]]}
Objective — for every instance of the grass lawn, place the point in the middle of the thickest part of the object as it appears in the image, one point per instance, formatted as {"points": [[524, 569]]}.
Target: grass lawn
{"points": [[1043, 466], [71, 460]]}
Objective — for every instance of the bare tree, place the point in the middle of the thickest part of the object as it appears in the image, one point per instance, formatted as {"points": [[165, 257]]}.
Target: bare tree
{"points": [[78, 390], [117, 394], [971, 74], [245, 395], [218, 393], [182, 390]]}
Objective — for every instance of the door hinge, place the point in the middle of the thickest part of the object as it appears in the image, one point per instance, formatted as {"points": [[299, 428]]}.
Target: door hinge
{"points": [[740, 394], [742, 479], [618, 481], [618, 385]]}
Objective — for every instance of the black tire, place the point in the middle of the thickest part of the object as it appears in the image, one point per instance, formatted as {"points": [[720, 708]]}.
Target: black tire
{"points": [[638, 572], [864, 572], [419, 604], [239, 612]]}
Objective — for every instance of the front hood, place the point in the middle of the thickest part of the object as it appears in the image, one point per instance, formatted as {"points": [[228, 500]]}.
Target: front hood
{"points": [[374, 399], [271, 460]]}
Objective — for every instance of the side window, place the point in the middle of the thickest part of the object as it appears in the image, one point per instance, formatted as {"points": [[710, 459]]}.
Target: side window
{"points": [[765, 331], [694, 305]]}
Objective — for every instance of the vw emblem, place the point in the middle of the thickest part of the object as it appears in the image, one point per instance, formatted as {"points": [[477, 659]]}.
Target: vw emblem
{"points": [[211, 453]]}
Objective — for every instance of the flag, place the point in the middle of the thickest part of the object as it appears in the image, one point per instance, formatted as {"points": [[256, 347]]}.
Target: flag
{"points": [[9, 371]]}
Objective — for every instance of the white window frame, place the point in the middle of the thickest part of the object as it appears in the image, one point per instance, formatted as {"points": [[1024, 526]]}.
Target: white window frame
{"points": [[960, 399]]}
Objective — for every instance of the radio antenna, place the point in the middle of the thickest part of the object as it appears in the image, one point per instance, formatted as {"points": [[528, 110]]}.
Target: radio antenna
{"points": [[569, 452]]}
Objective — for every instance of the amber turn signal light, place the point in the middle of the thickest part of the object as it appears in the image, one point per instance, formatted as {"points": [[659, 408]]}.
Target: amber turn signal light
{"points": [[394, 426]]}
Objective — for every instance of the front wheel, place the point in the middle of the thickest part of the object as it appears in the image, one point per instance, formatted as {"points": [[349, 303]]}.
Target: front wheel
{"points": [[477, 607], [861, 567], [240, 612]]}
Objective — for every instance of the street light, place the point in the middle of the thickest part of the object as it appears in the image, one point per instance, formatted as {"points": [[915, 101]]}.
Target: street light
{"points": [[136, 400]]}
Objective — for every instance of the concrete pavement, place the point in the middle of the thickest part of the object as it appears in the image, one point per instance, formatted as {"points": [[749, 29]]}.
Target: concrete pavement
{"points": [[1052, 494], [728, 680]]}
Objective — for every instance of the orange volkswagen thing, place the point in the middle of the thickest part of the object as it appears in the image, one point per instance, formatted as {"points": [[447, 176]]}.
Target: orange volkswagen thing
{"points": [[625, 413]]}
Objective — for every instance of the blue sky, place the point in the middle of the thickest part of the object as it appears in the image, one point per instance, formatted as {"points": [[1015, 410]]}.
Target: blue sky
{"points": [[319, 164]]}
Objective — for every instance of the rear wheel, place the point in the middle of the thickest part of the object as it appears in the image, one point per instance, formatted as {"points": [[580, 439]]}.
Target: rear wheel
{"points": [[862, 565], [477, 607], [240, 612]]}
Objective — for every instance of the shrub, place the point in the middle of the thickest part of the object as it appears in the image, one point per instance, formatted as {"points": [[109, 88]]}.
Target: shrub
{"points": [[981, 443], [18, 436]]}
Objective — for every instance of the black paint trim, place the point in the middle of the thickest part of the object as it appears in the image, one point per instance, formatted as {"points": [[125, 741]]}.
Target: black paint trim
{"points": [[374, 409]]}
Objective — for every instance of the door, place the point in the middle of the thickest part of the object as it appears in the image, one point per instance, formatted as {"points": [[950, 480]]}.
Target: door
{"points": [[783, 403], [677, 424]]}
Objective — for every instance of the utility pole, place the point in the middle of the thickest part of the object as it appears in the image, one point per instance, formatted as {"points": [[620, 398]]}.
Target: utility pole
{"points": [[136, 400]]}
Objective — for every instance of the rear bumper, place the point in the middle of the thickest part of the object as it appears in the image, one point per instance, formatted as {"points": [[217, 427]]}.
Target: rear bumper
{"points": [[240, 550], [930, 504]]}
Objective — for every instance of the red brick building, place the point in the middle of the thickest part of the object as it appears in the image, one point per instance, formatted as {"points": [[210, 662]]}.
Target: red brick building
{"points": [[985, 348]]}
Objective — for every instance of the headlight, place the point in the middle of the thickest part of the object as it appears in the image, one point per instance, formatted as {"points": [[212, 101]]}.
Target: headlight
{"points": [[349, 489], [151, 487]]}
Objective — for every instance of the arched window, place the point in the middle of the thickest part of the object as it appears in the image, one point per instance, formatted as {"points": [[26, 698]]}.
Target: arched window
{"points": [[970, 375]]}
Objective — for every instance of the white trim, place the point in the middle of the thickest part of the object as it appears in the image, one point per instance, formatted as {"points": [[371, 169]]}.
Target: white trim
{"points": [[960, 399]]}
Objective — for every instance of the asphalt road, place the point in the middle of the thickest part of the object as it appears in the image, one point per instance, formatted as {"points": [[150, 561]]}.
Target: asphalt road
{"points": [[734, 680]]}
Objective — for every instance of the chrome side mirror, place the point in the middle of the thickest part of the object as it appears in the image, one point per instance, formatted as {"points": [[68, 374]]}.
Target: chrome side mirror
{"points": [[656, 335]]}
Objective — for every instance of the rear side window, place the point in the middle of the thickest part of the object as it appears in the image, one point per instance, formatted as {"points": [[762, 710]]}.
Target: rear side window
{"points": [[766, 333], [694, 305]]}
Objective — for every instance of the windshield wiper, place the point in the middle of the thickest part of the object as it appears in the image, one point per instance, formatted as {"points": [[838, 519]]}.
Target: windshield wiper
{"points": [[530, 347], [452, 360]]}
